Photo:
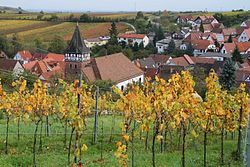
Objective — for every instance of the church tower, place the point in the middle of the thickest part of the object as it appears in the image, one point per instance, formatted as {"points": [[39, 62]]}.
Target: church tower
{"points": [[76, 55]]}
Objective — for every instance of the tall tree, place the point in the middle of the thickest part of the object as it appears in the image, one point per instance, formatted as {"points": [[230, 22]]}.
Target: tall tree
{"points": [[16, 43], [227, 78], [171, 47], [230, 39], [190, 50], [113, 34], [236, 56], [4, 44], [201, 27], [57, 45]]}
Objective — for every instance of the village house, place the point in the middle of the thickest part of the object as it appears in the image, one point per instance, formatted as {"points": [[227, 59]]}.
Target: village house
{"points": [[184, 19], [131, 39], [228, 48], [215, 55], [245, 24], [244, 47], [185, 62], [10, 65], [3, 55], [91, 42], [245, 36], [23, 56]]}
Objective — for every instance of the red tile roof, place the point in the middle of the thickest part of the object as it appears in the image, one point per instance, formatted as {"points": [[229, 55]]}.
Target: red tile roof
{"points": [[203, 60], [134, 36], [8, 64], [193, 36], [200, 44], [26, 55], [38, 56], [54, 57], [180, 61], [229, 31], [117, 68], [29, 65], [160, 58], [243, 46], [230, 47]]}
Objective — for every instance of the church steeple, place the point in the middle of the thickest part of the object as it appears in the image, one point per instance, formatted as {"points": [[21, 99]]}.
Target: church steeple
{"points": [[77, 49]]}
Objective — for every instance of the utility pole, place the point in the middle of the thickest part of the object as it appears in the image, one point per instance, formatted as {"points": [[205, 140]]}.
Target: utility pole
{"points": [[79, 112], [248, 142], [96, 115]]}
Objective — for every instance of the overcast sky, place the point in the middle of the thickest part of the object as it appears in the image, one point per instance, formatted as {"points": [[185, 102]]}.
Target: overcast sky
{"points": [[128, 5]]}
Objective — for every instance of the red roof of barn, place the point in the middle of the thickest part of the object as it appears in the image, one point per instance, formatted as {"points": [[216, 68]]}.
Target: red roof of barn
{"points": [[135, 36]]}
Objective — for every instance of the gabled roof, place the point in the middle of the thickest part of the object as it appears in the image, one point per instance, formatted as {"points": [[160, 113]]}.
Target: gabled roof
{"points": [[132, 36], [230, 47], [247, 23], [215, 54], [229, 31], [116, 67], [146, 62], [54, 57], [200, 44], [77, 44], [38, 56], [193, 36], [247, 31], [8, 64], [26, 55], [243, 46], [3, 55], [160, 58]]}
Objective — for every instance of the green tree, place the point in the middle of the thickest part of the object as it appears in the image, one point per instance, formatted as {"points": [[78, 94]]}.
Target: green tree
{"points": [[111, 49], [16, 44], [236, 56], [129, 53], [190, 50], [171, 47], [4, 44], [201, 27], [85, 18], [113, 34], [141, 45], [227, 78], [102, 52], [54, 17], [139, 15], [135, 47], [57, 45], [230, 39]]}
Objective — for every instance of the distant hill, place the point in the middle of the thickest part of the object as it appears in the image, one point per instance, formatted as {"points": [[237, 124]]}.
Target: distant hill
{"points": [[11, 9]]}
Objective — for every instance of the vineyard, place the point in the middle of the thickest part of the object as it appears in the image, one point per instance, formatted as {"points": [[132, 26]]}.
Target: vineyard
{"points": [[29, 30], [160, 123]]}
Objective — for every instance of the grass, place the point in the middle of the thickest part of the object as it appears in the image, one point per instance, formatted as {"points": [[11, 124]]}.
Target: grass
{"points": [[54, 154]]}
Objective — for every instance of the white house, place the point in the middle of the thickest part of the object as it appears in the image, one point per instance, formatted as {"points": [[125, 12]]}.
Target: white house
{"points": [[116, 67], [131, 39], [23, 56], [245, 36], [10, 65], [162, 45], [245, 24]]}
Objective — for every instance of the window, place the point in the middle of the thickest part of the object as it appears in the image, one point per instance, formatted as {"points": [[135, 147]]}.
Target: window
{"points": [[75, 65], [139, 80], [70, 66], [122, 87]]}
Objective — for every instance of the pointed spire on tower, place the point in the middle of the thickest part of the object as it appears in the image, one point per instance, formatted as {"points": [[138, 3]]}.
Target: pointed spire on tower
{"points": [[77, 44]]}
